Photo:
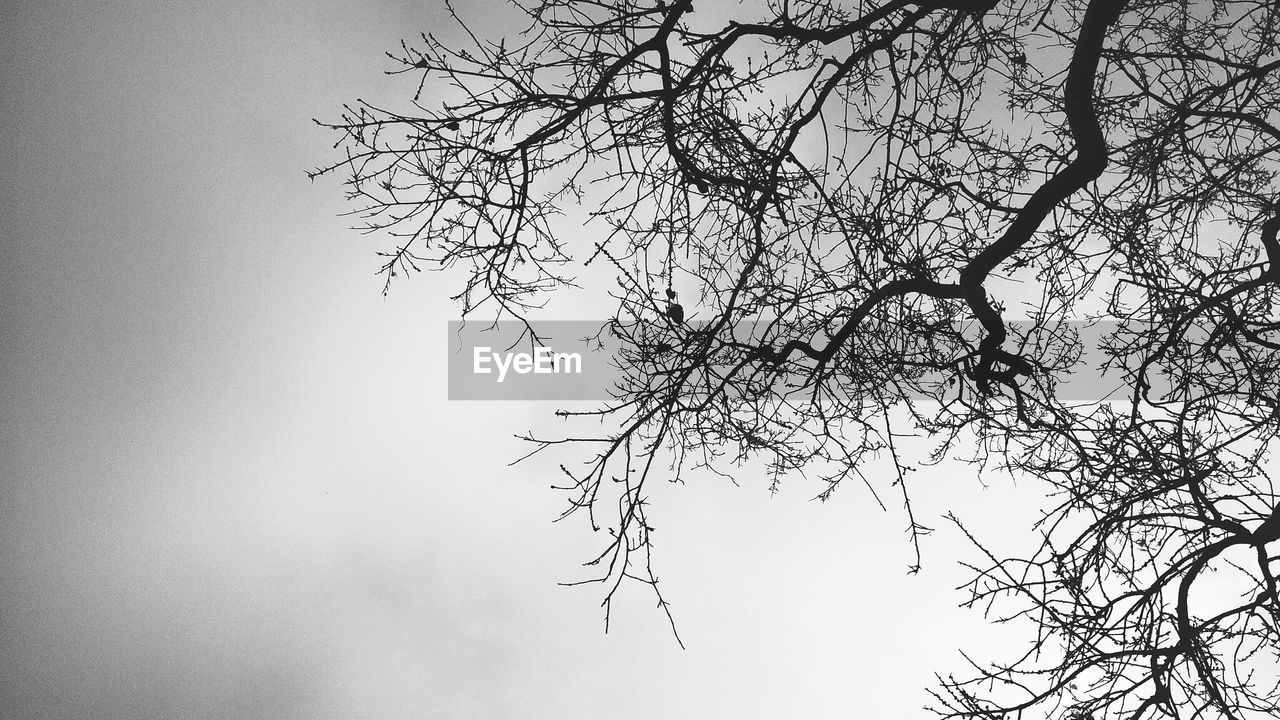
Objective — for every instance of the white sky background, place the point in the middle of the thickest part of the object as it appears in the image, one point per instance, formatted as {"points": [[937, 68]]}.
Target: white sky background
{"points": [[232, 486]]}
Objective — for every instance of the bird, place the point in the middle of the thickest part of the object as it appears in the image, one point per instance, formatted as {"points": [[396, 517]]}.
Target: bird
{"points": [[675, 312]]}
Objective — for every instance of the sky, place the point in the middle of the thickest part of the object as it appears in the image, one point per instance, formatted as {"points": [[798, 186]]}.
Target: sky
{"points": [[231, 484]]}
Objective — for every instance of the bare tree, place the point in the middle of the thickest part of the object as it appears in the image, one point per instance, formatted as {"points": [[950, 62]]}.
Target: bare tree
{"points": [[866, 196]]}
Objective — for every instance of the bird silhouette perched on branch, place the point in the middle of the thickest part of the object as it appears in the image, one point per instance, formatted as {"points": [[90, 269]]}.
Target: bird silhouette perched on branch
{"points": [[675, 310]]}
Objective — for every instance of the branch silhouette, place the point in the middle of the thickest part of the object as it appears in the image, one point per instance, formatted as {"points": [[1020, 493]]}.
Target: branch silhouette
{"points": [[905, 218]]}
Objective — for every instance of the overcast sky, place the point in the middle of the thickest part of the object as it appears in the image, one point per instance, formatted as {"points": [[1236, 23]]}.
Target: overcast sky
{"points": [[232, 484]]}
